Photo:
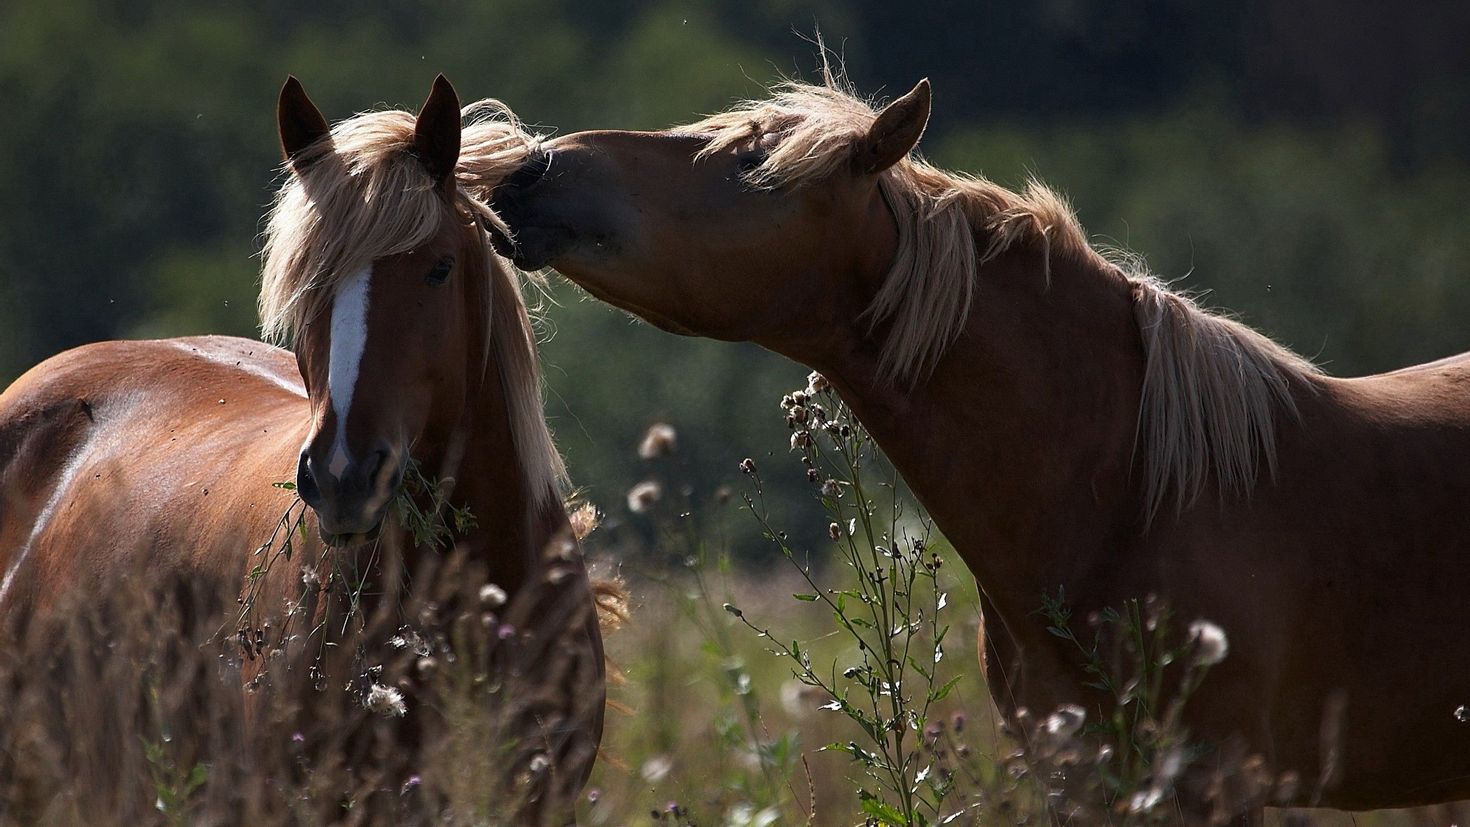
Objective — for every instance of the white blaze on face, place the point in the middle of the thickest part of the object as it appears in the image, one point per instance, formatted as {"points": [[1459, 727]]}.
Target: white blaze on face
{"points": [[349, 339]]}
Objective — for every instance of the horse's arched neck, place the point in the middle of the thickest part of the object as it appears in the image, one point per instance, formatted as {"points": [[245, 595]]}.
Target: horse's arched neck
{"points": [[1020, 443]]}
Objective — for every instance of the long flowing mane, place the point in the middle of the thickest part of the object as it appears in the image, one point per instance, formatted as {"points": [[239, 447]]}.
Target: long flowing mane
{"points": [[1212, 386], [362, 196]]}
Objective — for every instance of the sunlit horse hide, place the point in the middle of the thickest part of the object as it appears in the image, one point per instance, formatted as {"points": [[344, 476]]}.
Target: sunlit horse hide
{"points": [[1068, 420], [414, 356]]}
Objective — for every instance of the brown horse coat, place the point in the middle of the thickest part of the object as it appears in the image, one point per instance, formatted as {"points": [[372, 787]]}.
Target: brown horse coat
{"points": [[158, 461], [1068, 421]]}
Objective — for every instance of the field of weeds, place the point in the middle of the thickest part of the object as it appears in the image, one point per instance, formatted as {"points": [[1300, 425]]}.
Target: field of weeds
{"points": [[839, 685]]}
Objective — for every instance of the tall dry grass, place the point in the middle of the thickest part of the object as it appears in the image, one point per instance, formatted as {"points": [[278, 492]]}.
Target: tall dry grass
{"points": [[742, 697]]}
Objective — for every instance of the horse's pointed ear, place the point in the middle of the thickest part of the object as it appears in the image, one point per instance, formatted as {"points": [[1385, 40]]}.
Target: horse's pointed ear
{"points": [[896, 131], [436, 134], [299, 121]]}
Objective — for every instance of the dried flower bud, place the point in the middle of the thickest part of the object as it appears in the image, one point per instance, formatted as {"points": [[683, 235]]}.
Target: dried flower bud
{"points": [[385, 701], [747, 466], [1210, 644], [660, 440], [492, 595], [644, 496], [834, 531]]}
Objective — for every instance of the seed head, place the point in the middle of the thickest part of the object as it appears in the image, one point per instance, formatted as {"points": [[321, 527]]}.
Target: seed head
{"points": [[644, 496], [660, 440], [385, 701], [1210, 643], [492, 596], [1065, 722]]}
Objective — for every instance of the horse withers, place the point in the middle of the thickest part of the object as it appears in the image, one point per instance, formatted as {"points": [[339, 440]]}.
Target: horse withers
{"points": [[433, 535]]}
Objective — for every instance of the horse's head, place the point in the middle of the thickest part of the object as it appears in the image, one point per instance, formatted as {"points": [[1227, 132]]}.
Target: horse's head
{"points": [[384, 345], [737, 227]]}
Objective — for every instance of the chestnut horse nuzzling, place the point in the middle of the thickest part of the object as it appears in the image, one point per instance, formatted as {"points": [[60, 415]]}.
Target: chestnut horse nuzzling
{"points": [[1067, 420], [416, 352]]}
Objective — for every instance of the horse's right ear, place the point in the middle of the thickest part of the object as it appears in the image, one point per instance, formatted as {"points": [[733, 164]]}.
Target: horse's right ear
{"points": [[299, 121], [895, 131], [436, 133]]}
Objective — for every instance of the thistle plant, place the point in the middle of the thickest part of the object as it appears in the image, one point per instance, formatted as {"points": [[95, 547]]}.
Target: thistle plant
{"points": [[889, 608], [1134, 753], [757, 790]]}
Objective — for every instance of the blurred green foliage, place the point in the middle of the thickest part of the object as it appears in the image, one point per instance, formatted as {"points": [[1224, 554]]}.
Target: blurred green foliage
{"points": [[1312, 183]]}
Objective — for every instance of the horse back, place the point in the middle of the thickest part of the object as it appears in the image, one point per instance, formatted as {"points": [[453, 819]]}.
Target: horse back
{"points": [[110, 453]]}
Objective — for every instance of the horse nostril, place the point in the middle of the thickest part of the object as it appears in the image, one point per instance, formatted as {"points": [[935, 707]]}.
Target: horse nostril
{"points": [[383, 475], [306, 487]]}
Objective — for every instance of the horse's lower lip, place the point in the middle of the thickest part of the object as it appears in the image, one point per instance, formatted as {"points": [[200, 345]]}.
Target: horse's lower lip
{"points": [[537, 247], [347, 540]]}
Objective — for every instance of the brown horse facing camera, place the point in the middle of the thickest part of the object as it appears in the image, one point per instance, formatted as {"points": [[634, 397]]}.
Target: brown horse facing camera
{"points": [[1068, 421], [414, 345]]}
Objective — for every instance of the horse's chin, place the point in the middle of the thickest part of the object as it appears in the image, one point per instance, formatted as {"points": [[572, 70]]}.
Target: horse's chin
{"points": [[351, 540]]}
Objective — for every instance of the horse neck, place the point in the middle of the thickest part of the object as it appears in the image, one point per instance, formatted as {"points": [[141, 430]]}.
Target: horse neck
{"points": [[1020, 444]]}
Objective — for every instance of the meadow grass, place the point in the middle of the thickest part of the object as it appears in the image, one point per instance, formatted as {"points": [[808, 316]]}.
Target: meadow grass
{"points": [[835, 684], [777, 710]]}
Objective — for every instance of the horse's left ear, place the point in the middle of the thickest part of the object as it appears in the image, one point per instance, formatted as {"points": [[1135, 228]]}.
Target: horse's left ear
{"points": [[896, 131], [436, 134], [298, 121]]}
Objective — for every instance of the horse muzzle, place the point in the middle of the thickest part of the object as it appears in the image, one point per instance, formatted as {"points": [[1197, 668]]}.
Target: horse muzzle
{"points": [[350, 506], [523, 202]]}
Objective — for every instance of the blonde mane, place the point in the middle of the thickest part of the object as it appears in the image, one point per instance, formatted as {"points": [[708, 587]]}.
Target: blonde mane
{"points": [[362, 196], [1212, 386]]}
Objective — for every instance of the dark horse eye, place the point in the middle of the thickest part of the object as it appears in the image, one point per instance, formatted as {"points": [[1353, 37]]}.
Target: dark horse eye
{"points": [[440, 272]]}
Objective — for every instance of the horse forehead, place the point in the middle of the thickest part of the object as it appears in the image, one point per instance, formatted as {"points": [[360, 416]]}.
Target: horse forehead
{"points": [[349, 317], [348, 340]]}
